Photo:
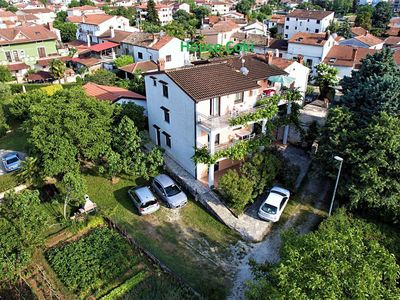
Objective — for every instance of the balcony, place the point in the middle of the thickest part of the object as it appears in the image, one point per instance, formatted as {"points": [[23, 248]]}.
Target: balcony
{"points": [[215, 123], [237, 135]]}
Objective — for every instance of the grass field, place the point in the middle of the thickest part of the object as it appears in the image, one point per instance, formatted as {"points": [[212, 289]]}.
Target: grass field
{"points": [[182, 239], [14, 140]]}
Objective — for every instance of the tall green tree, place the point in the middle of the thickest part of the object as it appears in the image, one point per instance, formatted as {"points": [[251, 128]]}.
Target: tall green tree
{"points": [[57, 69], [132, 111], [176, 29], [245, 6], [67, 31], [326, 78], [364, 16], [102, 77], [22, 227], [201, 12], [382, 14], [152, 15], [74, 188], [67, 128], [345, 258], [5, 74]]}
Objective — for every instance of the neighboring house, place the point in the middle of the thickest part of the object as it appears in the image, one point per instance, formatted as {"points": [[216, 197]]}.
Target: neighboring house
{"points": [[393, 31], [255, 27], [178, 6], [191, 107], [86, 64], [18, 71], [217, 7], [91, 27], [306, 21], [27, 44], [276, 21], [164, 12], [114, 94], [146, 46], [357, 31], [263, 44], [115, 36], [392, 42], [43, 15], [366, 40], [346, 58], [140, 66], [234, 15], [220, 33], [84, 10], [313, 47], [7, 18]]}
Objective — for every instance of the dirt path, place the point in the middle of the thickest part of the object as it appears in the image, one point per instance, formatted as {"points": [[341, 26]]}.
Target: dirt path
{"points": [[314, 194]]}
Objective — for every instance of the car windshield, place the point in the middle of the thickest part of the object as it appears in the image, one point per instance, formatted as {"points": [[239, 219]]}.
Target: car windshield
{"points": [[269, 209], [278, 193], [12, 160], [147, 204], [172, 190]]}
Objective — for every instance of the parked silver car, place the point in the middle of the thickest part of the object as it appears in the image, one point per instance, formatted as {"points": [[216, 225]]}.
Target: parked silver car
{"points": [[144, 200], [272, 207], [169, 191], [11, 161]]}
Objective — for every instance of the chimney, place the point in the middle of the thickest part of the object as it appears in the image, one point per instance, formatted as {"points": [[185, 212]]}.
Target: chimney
{"points": [[112, 32], [300, 59], [354, 54], [276, 52], [268, 57], [50, 26], [161, 64], [366, 32]]}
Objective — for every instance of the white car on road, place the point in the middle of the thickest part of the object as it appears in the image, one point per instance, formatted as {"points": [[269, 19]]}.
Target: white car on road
{"points": [[272, 207]]}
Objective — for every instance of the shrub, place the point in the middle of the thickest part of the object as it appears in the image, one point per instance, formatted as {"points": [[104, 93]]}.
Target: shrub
{"points": [[124, 288], [236, 189], [92, 261], [52, 89], [123, 60]]}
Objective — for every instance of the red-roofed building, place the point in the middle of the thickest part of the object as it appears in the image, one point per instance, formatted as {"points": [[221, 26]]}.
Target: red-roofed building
{"points": [[18, 70], [114, 94], [164, 12]]}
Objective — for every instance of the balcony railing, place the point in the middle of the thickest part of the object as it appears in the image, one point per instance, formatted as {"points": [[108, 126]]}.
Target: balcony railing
{"points": [[231, 142]]}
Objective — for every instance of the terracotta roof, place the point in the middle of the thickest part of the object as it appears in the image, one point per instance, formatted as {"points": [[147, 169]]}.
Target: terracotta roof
{"points": [[46, 61], [392, 41], [393, 31], [95, 19], [143, 66], [6, 14], [103, 46], [27, 17], [24, 34], [203, 82], [313, 39], [147, 40], [74, 19], [84, 7], [87, 61], [256, 39], [358, 31], [43, 10], [110, 93], [279, 19], [346, 56], [310, 14], [282, 63], [161, 42], [225, 26], [396, 56], [369, 39], [119, 35], [39, 76], [17, 66]]}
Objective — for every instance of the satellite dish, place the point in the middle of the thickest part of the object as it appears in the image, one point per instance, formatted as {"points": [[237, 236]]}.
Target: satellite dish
{"points": [[244, 70]]}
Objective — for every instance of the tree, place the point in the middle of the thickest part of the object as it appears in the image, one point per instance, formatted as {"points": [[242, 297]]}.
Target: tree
{"points": [[136, 84], [342, 29], [123, 60], [5, 92], [152, 15], [176, 29], [132, 111], [340, 7], [364, 16], [236, 189], [21, 103], [345, 258], [57, 69], [102, 77], [30, 172], [326, 78], [150, 27], [67, 128], [74, 189], [244, 6], [68, 31], [5, 74], [3, 122], [201, 12], [22, 227], [382, 14]]}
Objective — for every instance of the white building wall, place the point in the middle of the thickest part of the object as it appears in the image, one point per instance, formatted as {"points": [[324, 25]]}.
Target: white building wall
{"points": [[182, 120], [294, 25], [301, 73], [165, 15]]}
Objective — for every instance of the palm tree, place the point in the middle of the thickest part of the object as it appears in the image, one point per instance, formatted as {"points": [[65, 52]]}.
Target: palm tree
{"points": [[57, 69], [29, 172]]}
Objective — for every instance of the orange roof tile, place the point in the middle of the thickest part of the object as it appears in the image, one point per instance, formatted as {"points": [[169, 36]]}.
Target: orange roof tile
{"points": [[95, 19], [369, 39], [313, 39], [358, 31], [110, 93], [24, 34], [346, 56], [144, 66]]}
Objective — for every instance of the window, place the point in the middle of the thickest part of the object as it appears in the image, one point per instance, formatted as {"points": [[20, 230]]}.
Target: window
{"points": [[316, 30], [217, 138], [301, 23], [318, 21], [168, 58], [286, 36], [154, 80], [8, 56], [250, 93], [166, 114], [16, 56], [165, 90], [238, 98], [309, 62], [167, 139], [287, 27], [295, 28], [140, 55], [42, 52], [22, 53], [287, 19], [307, 29], [158, 138]]}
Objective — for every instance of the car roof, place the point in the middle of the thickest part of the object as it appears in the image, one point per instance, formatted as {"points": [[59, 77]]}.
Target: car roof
{"points": [[144, 194], [164, 180], [275, 199], [11, 154]]}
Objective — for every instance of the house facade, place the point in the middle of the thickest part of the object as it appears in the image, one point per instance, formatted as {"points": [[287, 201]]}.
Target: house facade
{"points": [[191, 107], [26, 44], [307, 21]]}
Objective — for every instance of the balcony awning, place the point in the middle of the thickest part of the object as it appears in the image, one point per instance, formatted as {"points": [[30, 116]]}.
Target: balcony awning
{"points": [[103, 46]]}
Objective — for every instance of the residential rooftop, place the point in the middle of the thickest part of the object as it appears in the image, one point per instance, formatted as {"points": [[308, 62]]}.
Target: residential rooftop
{"points": [[309, 14]]}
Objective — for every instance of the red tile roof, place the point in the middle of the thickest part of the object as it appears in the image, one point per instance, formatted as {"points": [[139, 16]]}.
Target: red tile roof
{"points": [[369, 39], [392, 41], [396, 56], [143, 66], [18, 66], [39, 76], [87, 61], [103, 46], [393, 31], [358, 31], [46, 61], [24, 34], [95, 19], [161, 42], [346, 56], [36, 10], [313, 39], [110, 93], [310, 14]]}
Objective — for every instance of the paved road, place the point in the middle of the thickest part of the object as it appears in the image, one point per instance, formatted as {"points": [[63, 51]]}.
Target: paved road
{"points": [[4, 152]]}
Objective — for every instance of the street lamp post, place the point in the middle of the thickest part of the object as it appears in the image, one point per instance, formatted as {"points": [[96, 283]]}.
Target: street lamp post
{"points": [[338, 158]]}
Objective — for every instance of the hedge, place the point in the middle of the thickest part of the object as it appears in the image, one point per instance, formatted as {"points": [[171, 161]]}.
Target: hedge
{"points": [[128, 285], [17, 87]]}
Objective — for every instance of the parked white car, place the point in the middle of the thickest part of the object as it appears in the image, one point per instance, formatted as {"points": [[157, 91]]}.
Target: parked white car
{"points": [[272, 207], [169, 191], [144, 200]]}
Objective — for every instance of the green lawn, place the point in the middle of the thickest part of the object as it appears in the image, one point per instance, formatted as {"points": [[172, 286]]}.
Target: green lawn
{"points": [[15, 140], [176, 237], [7, 182]]}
